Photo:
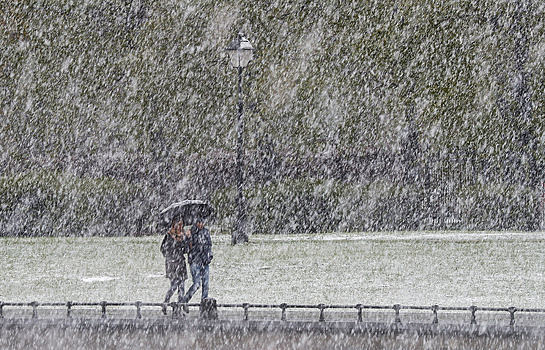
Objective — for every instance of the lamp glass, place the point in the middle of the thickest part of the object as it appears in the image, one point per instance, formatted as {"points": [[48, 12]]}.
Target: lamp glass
{"points": [[245, 56], [241, 52], [240, 57]]}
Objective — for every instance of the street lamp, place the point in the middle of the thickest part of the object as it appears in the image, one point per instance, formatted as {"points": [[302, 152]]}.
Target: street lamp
{"points": [[240, 53]]}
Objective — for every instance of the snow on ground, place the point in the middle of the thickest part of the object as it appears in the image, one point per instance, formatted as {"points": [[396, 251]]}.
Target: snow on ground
{"points": [[499, 269]]}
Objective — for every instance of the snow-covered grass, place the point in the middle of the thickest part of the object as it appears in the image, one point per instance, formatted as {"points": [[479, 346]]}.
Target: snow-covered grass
{"points": [[411, 268]]}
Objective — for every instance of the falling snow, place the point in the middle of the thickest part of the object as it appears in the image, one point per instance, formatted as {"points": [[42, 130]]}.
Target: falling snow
{"points": [[393, 150]]}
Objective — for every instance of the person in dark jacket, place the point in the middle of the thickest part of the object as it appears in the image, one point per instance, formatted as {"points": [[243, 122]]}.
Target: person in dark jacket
{"points": [[173, 249], [199, 256]]}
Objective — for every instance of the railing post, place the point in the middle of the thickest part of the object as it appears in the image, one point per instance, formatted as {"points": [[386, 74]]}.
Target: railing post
{"points": [[360, 313], [209, 309], [283, 306], [103, 305], [321, 307], [68, 309], [397, 307], [246, 306], [34, 305], [1, 309], [138, 311], [434, 309], [512, 311], [473, 309]]}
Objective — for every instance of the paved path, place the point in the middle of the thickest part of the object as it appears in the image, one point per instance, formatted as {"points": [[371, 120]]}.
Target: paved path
{"points": [[239, 319]]}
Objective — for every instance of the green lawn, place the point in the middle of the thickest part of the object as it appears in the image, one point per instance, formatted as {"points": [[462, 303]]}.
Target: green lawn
{"points": [[413, 268]]}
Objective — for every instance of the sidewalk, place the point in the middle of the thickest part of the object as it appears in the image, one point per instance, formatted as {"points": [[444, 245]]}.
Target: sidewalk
{"points": [[264, 318]]}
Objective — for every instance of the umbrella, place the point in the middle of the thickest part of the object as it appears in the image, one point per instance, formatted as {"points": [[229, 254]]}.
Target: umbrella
{"points": [[188, 210]]}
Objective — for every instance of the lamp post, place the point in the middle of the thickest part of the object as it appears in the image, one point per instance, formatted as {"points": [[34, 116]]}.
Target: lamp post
{"points": [[241, 53]]}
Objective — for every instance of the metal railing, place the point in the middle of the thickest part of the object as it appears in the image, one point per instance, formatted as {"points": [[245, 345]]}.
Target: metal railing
{"points": [[103, 305], [434, 309], [246, 307]]}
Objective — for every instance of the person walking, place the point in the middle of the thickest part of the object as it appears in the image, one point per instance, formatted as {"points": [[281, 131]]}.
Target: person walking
{"points": [[173, 248], [199, 257]]}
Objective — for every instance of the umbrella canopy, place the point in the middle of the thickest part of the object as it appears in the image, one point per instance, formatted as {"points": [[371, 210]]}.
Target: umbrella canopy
{"points": [[188, 211]]}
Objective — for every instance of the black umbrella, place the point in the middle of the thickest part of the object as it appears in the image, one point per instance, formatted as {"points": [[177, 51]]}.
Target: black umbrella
{"points": [[188, 211]]}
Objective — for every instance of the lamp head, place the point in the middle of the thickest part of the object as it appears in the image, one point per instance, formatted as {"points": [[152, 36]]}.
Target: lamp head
{"points": [[240, 51]]}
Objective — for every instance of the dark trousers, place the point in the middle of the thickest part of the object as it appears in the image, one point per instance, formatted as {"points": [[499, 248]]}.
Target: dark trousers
{"points": [[175, 283]]}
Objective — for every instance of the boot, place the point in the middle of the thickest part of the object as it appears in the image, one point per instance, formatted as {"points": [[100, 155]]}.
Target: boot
{"points": [[164, 308]]}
